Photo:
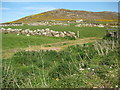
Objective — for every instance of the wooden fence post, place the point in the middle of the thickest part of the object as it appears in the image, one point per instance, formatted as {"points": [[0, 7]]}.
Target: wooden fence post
{"points": [[78, 34]]}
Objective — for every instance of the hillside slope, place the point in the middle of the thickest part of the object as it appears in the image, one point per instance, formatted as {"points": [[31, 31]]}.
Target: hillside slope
{"points": [[65, 15]]}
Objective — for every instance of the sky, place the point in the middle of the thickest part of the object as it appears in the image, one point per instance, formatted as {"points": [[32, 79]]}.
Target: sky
{"points": [[15, 10]]}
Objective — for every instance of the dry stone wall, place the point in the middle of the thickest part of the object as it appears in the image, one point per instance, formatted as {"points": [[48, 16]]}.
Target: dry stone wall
{"points": [[113, 34], [3, 25], [89, 25], [42, 32]]}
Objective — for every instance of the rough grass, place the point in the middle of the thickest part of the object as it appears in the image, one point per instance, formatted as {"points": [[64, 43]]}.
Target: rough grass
{"points": [[86, 66]]}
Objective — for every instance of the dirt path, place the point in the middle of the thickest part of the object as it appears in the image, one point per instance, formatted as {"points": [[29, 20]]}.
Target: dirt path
{"points": [[54, 46], [61, 45]]}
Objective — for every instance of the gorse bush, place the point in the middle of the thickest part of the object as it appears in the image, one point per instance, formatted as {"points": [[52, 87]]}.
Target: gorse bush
{"points": [[88, 65]]}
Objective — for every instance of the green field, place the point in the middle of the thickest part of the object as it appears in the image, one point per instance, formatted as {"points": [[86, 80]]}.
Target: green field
{"points": [[91, 65], [14, 41]]}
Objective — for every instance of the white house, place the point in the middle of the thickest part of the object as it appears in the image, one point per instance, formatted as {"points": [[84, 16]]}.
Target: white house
{"points": [[79, 20]]}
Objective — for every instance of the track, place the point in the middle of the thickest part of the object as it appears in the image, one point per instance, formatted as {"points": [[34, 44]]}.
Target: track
{"points": [[54, 46]]}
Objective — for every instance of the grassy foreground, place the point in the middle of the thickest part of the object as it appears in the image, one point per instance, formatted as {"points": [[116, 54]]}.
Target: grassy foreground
{"points": [[79, 66]]}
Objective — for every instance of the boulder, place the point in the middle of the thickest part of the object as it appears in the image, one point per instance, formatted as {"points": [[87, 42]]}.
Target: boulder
{"points": [[57, 35], [62, 34], [27, 35]]}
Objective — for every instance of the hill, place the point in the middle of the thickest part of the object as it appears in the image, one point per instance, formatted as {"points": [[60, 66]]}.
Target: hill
{"points": [[69, 15]]}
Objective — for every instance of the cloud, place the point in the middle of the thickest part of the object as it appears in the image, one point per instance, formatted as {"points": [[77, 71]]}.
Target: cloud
{"points": [[40, 8], [2, 8]]}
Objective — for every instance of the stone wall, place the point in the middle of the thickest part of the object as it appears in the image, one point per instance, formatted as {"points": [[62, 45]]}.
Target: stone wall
{"points": [[112, 34], [3, 25], [89, 25], [42, 32], [47, 24]]}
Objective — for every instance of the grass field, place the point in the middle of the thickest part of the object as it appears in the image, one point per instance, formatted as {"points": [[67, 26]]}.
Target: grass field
{"points": [[21, 41], [14, 41], [91, 65]]}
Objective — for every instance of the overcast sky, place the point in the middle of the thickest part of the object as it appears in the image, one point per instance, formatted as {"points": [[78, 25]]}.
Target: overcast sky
{"points": [[16, 10]]}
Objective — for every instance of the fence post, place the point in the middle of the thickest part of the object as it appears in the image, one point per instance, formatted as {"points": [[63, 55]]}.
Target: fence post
{"points": [[78, 34]]}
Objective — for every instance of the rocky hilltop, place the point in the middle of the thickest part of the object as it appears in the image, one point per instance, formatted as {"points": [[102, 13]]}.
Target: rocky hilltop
{"points": [[69, 15]]}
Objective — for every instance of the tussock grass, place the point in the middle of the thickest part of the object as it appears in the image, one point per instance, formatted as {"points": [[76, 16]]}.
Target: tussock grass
{"points": [[79, 66]]}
